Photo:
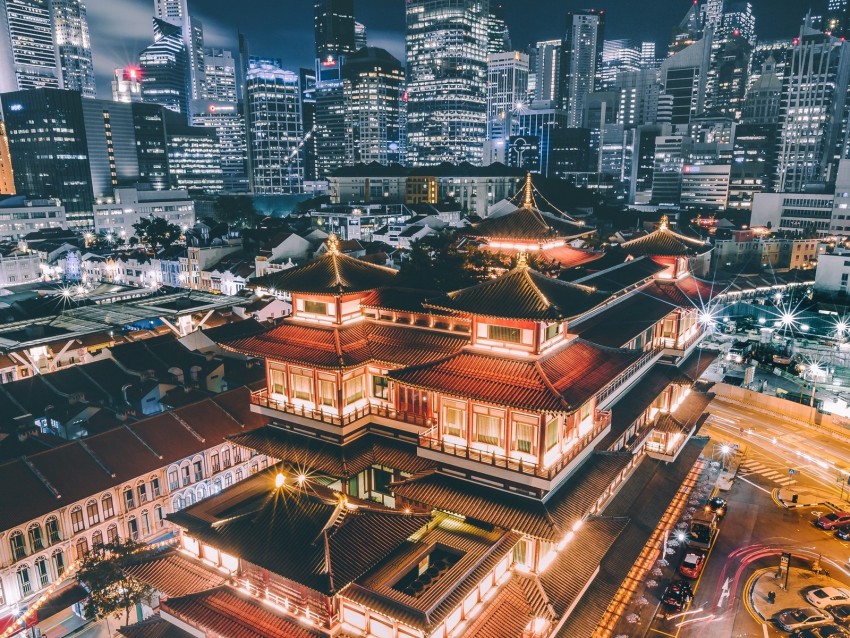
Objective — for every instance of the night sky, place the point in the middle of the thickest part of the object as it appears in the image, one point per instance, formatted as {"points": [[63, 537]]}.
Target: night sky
{"points": [[120, 29]]}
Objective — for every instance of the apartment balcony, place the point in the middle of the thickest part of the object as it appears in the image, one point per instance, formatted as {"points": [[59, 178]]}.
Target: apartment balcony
{"points": [[432, 441]]}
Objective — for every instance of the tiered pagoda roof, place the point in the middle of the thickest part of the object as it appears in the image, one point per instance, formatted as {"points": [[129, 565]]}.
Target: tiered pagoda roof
{"points": [[557, 382], [522, 293], [334, 273], [350, 346], [321, 526], [664, 242], [527, 224]]}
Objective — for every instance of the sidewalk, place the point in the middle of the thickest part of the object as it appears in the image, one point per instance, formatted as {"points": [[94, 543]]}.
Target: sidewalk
{"points": [[809, 498], [799, 582], [726, 478]]}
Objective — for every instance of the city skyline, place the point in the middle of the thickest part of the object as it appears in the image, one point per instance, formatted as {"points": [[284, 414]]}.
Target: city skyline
{"points": [[120, 29]]}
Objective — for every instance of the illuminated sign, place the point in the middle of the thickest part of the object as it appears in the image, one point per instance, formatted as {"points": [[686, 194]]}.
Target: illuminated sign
{"points": [[16, 107]]}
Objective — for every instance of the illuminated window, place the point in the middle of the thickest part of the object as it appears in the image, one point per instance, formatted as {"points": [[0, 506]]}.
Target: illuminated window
{"points": [[504, 333], [315, 307]]}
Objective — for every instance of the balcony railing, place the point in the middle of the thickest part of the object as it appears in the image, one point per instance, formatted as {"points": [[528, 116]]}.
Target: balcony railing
{"points": [[431, 440], [627, 375], [671, 344], [262, 399]]}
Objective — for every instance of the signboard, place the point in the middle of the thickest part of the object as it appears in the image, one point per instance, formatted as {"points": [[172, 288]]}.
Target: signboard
{"points": [[784, 560]]}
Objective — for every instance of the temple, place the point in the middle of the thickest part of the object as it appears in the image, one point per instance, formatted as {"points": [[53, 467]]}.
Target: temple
{"points": [[461, 464]]}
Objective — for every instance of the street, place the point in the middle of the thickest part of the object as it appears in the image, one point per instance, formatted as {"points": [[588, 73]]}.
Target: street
{"points": [[758, 527]]}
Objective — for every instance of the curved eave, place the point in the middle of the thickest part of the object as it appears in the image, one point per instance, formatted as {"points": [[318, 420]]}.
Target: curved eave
{"points": [[455, 311]]}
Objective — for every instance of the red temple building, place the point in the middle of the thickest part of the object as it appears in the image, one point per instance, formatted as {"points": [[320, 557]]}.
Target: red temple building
{"points": [[462, 464]]}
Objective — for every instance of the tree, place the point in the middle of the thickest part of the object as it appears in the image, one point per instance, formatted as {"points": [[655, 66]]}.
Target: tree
{"points": [[235, 210], [434, 262], [110, 588], [99, 241], [157, 232]]}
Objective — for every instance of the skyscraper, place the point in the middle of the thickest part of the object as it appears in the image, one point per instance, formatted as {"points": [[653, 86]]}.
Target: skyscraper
{"points": [[498, 35], [334, 28], [176, 12], [617, 56], [447, 75], [164, 68], [582, 53], [329, 97], [126, 85], [7, 177], [812, 112], [71, 31], [307, 78], [507, 86], [712, 14], [273, 109], [547, 89], [726, 83], [173, 11], [219, 76], [738, 19], [361, 40], [837, 18], [28, 58], [638, 97], [373, 85], [763, 100], [683, 76]]}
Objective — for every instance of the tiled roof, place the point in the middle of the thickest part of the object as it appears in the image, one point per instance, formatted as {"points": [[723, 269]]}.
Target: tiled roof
{"points": [[643, 500], [350, 346], [154, 627], [105, 460], [560, 381], [506, 616], [399, 299], [522, 293], [624, 320], [480, 549], [250, 519], [549, 520], [173, 574], [666, 423], [233, 614], [568, 257], [623, 275], [333, 273], [525, 224], [566, 578], [665, 242], [338, 461]]}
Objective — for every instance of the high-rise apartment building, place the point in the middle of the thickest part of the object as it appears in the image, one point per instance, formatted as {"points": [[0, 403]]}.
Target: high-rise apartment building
{"points": [[507, 86], [164, 68], [547, 87], [373, 86], [28, 58], [334, 28], [582, 54], [275, 134], [71, 31], [447, 44], [812, 115]]}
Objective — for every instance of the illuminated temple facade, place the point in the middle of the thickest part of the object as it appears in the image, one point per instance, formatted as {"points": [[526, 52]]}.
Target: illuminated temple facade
{"points": [[457, 464]]}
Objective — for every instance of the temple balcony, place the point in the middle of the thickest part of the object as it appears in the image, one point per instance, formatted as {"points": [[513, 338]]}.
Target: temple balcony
{"points": [[682, 346], [352, 417], [512, 466]]}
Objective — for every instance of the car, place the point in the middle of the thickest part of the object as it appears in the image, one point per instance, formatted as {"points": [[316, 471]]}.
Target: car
{"points": [[841, 613], [802, 618], [824, 597], [824, 631], [717, 505], [692, 564], [677, 595], [833, 520], [843, 533]]}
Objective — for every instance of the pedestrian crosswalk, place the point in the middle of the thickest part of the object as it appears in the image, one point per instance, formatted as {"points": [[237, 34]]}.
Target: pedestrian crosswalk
{"points": [[751, 466]]}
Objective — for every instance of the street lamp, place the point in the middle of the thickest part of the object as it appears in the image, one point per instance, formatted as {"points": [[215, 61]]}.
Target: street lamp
{"points": [[724, 452]]}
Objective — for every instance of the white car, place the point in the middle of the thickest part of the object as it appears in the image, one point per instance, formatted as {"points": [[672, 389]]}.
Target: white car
{"points": [[802, 618], [824, 597]]}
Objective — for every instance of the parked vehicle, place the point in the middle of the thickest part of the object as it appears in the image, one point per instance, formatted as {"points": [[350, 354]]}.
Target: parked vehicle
{"points": [[833, 520], [739, 351], [843, 533], [717, 505], [841, 613], [802, 618], [702, 530], [825, 597], [677, 595], [824, 631], [692, 563]]}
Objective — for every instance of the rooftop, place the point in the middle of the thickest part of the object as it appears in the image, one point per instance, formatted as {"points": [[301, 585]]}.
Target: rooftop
{"points": [[665, 242], [249, 519], [522, 293]]}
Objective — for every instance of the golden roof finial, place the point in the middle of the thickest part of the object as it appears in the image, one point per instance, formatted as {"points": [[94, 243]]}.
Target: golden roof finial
{"points": [[333, 244], [528, 202], [665, 222], [522, 258]]}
